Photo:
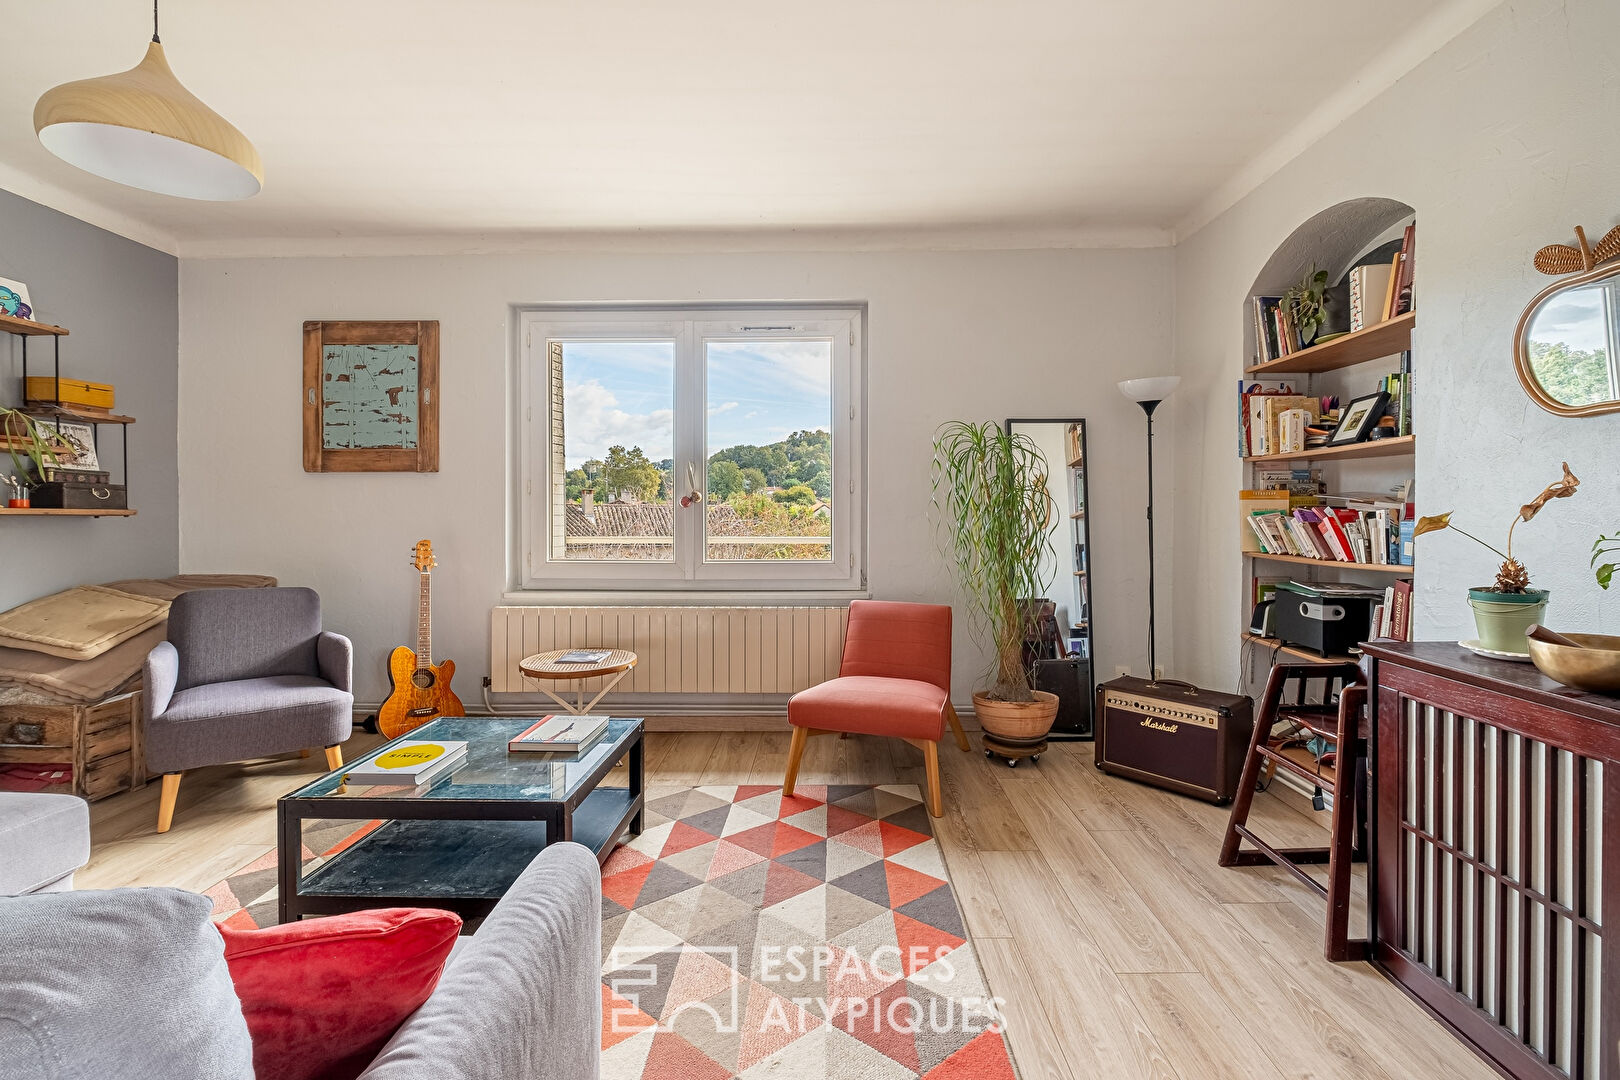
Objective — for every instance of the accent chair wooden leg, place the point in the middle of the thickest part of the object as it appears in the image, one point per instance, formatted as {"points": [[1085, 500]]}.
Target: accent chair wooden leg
{"points": [[171, 791], [334, 757], [936, 805], [795, 752], [956, 726]]}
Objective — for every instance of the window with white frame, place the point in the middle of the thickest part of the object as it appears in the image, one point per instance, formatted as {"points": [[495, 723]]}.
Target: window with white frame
{"points": [[712, 449]]}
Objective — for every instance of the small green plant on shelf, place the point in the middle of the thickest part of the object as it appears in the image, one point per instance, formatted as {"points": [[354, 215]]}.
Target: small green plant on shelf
{"points": [[1306, 302], [32, 450]]}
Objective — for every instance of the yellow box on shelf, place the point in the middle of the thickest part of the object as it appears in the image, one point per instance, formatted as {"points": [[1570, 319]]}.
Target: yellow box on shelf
{"points": [[86, 395]]}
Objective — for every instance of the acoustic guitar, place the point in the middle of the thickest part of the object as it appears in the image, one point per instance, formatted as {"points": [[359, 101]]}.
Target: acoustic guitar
{"points": [[421, 689]]}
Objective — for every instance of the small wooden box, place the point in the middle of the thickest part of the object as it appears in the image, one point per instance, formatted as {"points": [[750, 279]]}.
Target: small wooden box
{"points": [[89, 395], [64, 496], [101, 742]]}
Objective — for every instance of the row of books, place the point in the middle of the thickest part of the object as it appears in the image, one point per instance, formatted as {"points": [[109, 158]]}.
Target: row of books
{"points": [[1399, 388], [1355, 530], [1392, 619]]}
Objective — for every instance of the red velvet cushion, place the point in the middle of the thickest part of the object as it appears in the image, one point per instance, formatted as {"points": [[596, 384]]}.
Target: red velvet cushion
{"points": [[903, 708], [322, 996]]}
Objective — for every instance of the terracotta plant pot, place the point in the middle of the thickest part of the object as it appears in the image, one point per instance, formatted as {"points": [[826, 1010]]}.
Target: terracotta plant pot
{"points": [[17, 504], [1017, 719], [1502, 618]]}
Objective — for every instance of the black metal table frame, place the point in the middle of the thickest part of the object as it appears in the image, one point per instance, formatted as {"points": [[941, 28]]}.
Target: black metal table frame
{"points": [[557, 814]]}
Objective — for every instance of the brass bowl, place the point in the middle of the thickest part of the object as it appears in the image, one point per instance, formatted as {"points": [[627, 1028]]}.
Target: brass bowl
{"points": [[1595, 668]]}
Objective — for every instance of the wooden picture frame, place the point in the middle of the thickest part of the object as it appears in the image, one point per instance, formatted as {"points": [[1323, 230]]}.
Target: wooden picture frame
{"points": [[356, 422], [1357, 419]]}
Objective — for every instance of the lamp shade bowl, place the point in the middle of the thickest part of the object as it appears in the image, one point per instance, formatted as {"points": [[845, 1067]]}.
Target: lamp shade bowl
{"points": [[1154, 388]]}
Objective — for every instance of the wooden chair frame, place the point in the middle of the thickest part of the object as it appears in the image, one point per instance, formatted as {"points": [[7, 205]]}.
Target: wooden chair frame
{"points": [[929, 747]]}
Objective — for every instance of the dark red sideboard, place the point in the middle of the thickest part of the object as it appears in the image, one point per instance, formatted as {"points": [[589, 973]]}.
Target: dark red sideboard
{"points": [[1491, 870]]}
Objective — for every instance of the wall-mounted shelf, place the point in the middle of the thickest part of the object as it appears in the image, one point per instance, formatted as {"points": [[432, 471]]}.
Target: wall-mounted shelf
{"points": [[1398, 446], [1379, 340], [45, 511], [51, 410], [10, 324], [1332, 564]]}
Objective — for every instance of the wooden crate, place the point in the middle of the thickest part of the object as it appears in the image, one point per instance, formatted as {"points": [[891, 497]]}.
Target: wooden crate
{"points": [[102, 742]]}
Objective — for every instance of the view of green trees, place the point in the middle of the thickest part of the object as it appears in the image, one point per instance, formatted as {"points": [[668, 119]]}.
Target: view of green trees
{"points": [[1572, 376], [800, 465]]}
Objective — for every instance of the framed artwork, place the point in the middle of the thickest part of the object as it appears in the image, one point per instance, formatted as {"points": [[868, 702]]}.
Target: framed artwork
{"points": [[14, 299], [371, 396], [81, 444], [1358, 419]]}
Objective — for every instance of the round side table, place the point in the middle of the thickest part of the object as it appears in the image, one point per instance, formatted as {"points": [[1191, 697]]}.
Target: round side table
{"points": [[548, 667]]}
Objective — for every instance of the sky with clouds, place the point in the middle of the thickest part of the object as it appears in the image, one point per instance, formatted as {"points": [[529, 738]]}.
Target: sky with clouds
{"points": [[622, 393], [1575, 318]]}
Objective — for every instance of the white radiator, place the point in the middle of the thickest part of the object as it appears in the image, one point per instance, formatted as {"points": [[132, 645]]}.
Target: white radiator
{"points": [[679, 650]]}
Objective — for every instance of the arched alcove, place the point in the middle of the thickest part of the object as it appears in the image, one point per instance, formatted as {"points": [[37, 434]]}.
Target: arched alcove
{"points": [[1329, 241]]}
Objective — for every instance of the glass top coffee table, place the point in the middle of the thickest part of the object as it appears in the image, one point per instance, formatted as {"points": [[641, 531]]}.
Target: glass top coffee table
{"points": [[459, 843]]}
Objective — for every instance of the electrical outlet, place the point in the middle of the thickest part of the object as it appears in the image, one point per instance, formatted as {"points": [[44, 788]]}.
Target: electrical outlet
{"points": [[488, 682], [1121, 669]]}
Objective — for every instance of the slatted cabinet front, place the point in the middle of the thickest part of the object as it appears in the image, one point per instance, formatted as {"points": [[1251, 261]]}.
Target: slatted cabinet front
{"points": [[1489, 878]]}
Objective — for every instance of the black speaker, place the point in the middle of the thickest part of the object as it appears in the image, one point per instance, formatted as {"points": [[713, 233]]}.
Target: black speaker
{"points": [[1070, 679]]}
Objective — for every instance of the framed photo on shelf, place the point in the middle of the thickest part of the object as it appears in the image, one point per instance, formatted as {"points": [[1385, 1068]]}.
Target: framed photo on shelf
{"points": [[1358, 419], [81, 441], [14, 299]]}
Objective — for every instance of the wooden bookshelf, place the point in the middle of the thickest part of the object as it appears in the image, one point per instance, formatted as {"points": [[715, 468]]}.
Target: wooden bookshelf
{"points": [[1332, 564], [1399, 446], [1379, 340], [50, 410], [45, 511], [10, 324], [1299, 654]]}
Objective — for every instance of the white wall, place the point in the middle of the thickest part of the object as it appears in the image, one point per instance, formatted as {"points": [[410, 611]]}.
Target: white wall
{"points": [[979, 335], [1502, 142]]}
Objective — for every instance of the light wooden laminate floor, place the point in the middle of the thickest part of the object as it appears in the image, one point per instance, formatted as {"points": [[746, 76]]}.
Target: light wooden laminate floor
{"points": [[1096, 907]]}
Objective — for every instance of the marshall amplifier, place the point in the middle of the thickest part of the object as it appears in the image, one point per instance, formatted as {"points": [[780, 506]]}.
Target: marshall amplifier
{"points": [[1174, 735]]}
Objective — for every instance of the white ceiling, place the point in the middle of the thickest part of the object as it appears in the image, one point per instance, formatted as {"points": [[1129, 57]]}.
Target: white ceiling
{"points": [[403, 123]]}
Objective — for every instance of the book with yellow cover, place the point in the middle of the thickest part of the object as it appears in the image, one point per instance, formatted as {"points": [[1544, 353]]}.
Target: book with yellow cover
{"points": [[410, 762]]}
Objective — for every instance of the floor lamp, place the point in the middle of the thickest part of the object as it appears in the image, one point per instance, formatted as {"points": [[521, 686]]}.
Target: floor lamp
{"points": [[1148, 393]]}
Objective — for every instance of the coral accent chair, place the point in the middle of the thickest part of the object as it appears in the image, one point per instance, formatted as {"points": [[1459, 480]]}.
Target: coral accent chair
{"points": [[895, 680]]}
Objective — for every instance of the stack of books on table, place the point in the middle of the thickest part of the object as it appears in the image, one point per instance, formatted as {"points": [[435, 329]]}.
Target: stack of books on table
{"points": [[412, 763], [558, 734]]}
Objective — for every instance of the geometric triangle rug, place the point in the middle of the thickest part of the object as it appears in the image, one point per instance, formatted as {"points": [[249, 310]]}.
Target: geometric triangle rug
{"points": [[750, 935], [747, 935]]}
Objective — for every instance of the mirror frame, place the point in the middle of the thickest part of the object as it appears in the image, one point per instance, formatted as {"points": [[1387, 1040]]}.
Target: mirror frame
{"points": [[1521, 347]]}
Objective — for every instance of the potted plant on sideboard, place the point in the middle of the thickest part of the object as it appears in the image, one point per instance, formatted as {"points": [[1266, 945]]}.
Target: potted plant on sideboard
{"points": [[991, 494], [1504, 610]]}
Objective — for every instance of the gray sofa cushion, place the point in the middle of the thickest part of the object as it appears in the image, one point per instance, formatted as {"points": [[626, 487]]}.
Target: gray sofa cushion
{"points": [[523, 998], [249, 718], [227, 634], [43, 839], [127, 983]]}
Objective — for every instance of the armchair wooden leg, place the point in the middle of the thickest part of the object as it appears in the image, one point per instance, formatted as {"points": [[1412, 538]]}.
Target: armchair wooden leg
{"points": [[795, 752], [334, 757], [936, 805], [956, 726], [171, 791]]}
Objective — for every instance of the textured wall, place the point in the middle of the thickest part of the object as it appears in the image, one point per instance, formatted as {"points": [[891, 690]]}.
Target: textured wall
{"points": [[977, 335], [119, 299], [1501, 143]]}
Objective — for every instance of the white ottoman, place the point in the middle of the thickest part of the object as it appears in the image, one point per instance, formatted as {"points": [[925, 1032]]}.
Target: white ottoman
{"points": [[43, 840]]}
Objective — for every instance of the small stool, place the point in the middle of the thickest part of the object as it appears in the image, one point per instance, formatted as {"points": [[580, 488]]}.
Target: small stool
{"points": [[549, 666], [1341, 724]]}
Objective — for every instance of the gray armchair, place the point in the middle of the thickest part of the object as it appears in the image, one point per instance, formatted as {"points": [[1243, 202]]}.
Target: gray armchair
{"points": [[246, 673]]}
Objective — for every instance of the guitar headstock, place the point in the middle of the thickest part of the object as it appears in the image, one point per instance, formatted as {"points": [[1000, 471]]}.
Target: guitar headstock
{"points": [[422, 556]]}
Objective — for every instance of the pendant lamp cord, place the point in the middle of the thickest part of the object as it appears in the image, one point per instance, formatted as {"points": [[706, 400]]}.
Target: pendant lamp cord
{"points": [[155, 23]]}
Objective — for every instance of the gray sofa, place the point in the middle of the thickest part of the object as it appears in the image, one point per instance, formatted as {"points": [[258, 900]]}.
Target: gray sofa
{"points": [[132, 983], [43, 839]]}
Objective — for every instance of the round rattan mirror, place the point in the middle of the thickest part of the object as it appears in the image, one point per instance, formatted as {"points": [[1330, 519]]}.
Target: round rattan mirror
{"points": [[1566, 349]]}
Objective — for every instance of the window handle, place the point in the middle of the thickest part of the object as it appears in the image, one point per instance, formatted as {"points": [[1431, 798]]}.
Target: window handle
{"points": [[693, 495]]}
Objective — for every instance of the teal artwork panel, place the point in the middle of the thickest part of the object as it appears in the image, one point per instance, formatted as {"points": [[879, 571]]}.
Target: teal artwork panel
{"points": [[370, 397]]}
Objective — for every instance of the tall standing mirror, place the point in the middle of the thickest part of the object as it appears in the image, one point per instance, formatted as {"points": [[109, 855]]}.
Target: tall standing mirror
{"points": [[1060, 642]]}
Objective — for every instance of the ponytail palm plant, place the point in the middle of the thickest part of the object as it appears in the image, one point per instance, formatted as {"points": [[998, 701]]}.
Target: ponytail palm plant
{"points": [[990, 490]]}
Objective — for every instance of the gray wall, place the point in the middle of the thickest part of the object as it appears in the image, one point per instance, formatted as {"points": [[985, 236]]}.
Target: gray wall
{"points": [[120, 299]]}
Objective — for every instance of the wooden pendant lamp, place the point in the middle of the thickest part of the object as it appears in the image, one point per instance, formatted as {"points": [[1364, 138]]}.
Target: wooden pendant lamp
{"points": [[142, 128]]}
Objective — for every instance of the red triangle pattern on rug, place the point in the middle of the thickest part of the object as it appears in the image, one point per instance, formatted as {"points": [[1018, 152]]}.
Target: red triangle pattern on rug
{"points": [[819, 994]]}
